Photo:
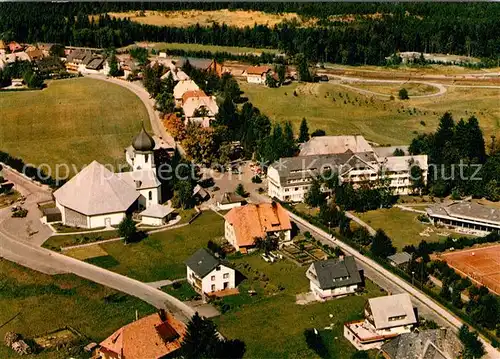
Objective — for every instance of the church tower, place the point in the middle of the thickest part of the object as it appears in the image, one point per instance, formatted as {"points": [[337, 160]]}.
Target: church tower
{"points": [[142, 157]]}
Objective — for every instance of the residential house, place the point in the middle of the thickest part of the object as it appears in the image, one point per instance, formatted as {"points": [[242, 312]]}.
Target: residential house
{"points": [[97, 197], [466, 216], [156, 336], [177, 75], [199, 108], [207, 65], [15, 47], [385, 318], [425, 344], [181, 88], [77, 60], [35, 54], [200, 194], [3, 47], [207, 274], [246, 223], [46, 49], [257, 74], [229, 200], [334, 277], [400, 259], [17, 56], [156, 215], [350, 157]]}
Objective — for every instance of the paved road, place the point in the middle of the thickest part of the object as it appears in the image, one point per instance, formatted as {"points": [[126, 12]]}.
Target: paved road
{"points": [[374, 269], [24, 251], [154, 116]]}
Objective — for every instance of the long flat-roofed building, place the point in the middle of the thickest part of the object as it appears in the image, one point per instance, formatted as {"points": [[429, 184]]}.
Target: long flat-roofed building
{"points": [[289, 178], [466, 215]]}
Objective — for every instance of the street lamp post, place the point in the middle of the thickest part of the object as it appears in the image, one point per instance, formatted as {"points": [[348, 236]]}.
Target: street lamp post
{"points": [[329, 230], [412, 278]]}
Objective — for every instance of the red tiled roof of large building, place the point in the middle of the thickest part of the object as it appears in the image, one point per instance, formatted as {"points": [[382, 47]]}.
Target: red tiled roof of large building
{"points": [[149, 337], [255, 220], [257, 70], [195, 93]]}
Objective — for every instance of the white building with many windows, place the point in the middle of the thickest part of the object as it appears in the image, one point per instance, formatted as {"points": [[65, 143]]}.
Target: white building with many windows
{"points": [[207, 274], [290, 178]]}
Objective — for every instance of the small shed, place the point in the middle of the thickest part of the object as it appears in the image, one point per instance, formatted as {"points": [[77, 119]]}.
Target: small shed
{"points": [[400, 259], [156, 215], [230, 200], [51, 215], [200, 194]]}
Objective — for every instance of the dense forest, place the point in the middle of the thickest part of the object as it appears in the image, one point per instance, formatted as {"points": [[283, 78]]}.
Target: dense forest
{"points": [[457, 28]]}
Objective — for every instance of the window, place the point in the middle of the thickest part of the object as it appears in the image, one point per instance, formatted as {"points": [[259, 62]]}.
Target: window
{"points": [[146, 158], [226, 275], [150, 195], [213, 287], [212, 278], [218, 268]]}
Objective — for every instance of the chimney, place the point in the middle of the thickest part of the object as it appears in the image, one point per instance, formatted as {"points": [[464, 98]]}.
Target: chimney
{"points": [[162, 314]]}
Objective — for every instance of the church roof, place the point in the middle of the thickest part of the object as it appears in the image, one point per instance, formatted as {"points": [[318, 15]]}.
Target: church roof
{"points": [[96, 190], [143, 141]]}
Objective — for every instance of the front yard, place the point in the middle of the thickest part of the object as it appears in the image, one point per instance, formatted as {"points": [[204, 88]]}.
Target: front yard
{"points": [[272, 325], [161, 255], [33, 304]]}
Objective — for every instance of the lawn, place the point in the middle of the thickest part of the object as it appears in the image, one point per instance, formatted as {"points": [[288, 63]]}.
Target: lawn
{"points": [[161, 255], [42, 303], [56, 242], [414, 89], [380, 120], [162, 46], [402, 227], [72, 122], [272, 325], [7, 198]]}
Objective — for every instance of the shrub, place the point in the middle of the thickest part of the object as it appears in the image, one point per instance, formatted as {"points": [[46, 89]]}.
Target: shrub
{"points": [[403, 94], [256, 179]]}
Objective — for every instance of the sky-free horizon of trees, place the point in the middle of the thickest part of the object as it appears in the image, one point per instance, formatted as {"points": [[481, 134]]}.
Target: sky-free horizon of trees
{"points": [[463, 29]]}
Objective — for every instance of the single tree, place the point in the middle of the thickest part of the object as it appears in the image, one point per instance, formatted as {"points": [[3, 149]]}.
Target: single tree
{"points": [[183, 195], [314, 196], [271, 81], [382, 245], [473, 348], [403, 94], [127, 229], [113, 66], [315, 342], [240, 190], [304, 131]]}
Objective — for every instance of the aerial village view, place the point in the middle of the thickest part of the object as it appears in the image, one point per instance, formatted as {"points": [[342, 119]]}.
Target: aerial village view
{"points": [[249, 180]]}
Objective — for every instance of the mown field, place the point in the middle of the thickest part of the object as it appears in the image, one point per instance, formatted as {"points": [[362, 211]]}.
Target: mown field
{"points": [[32, 304], [239, 18], [72, 121], [342, 111], [161, 46], [414, 89]]}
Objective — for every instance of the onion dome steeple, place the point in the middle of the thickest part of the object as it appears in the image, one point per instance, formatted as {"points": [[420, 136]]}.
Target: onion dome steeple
{"points": [[143, 142]]}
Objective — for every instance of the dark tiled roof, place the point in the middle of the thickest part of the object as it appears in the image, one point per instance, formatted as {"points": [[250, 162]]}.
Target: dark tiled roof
{"points": [[331, 269], [95, 63], [201, 64], [202, 262], [400, 258], [230, 197]]}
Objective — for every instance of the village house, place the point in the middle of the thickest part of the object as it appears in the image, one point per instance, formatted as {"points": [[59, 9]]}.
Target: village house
{"points": [[15, 47], [207, 65], [97, 197], [425, 344], [351, 157], [207, 274], [177, 75], [257, 74], [181, 88], [385, 318], [156, 215], [199, 108], [229, 200], [400, 259], [465, 216], [246, 223], [334, 277], [35, 54], [157, 336], [84, 61]]}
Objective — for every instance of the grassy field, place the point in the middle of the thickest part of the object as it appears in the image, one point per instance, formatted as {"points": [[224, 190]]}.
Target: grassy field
{"points": [[161, 255], [56, 242], [161, 46], [403, 227], [239, 18], [7, 198], [73, 122], [383, 121], [414, 89], [274, 309], [40, 303]]}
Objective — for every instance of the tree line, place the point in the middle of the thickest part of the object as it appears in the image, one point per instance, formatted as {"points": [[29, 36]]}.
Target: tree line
{"points": [[366, 40]]}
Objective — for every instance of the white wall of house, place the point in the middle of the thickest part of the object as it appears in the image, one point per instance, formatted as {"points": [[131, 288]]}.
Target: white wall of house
{"points": [[152, 221], [330, 293], [140, 161], [103, 220], [351, 337], [256, 79], [230, 235], [228, 206], [219, 279], [149, 196]]}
